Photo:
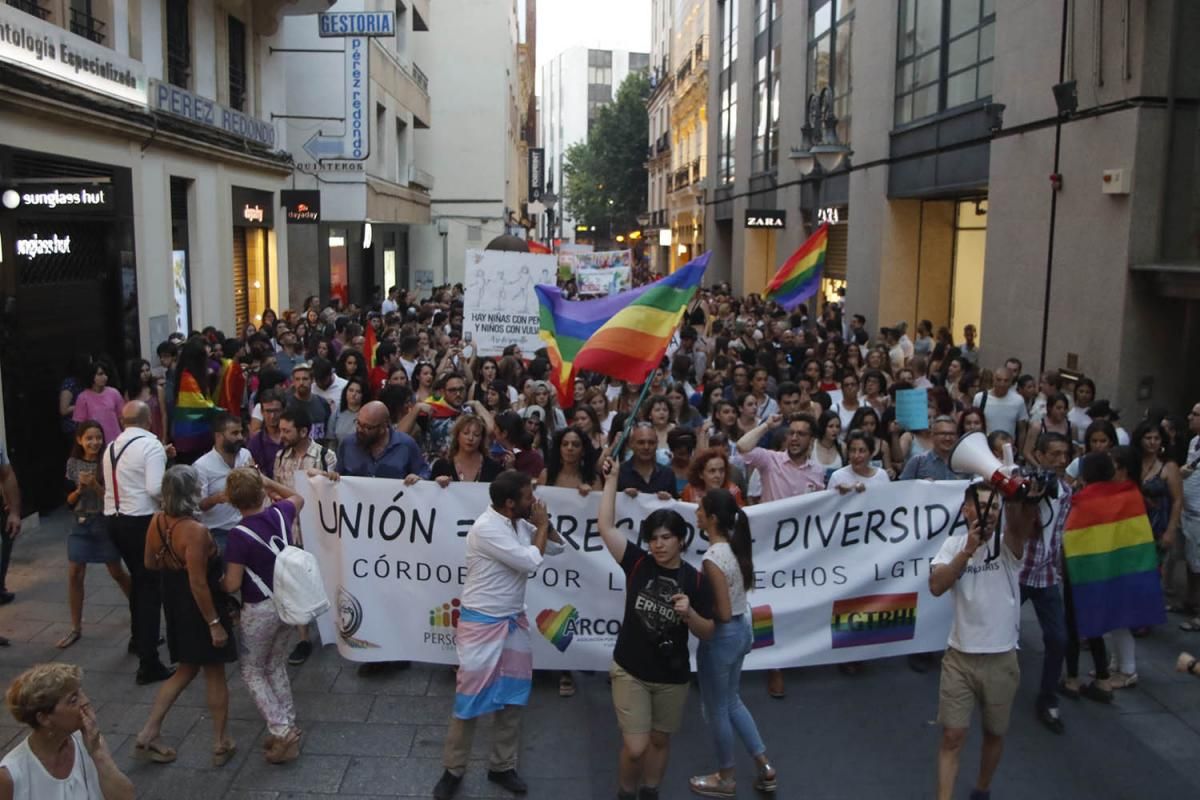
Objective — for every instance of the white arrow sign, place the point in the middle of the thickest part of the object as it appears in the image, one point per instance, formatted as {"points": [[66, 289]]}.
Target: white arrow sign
{"points": [[354, 143]]}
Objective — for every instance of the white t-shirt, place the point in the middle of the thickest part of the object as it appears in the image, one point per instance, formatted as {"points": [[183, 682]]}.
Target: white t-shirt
{"points": [[846, 476], [987, 600], [213, 471], [333, 395], [1003, 413]]}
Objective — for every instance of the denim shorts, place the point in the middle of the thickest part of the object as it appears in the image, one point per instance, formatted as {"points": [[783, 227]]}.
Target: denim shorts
{"points": [[89, 542]]}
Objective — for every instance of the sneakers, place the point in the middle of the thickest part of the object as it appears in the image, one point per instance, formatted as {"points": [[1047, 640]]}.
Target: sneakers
{"points": [[447, 786], [300, 652], [508, 779]]}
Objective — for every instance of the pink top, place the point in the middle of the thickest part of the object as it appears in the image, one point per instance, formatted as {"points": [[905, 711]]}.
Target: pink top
{"points": [[782, 477], [104, 407]]}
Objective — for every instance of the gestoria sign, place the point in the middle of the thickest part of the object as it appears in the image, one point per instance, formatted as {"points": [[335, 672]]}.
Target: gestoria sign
{"points": [[44, 47]]}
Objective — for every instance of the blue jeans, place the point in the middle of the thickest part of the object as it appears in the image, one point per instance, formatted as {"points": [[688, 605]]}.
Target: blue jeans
{"points": [[720, 671], [1051, 614]]}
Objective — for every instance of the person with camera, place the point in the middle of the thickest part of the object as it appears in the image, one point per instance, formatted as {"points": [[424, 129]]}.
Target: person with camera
{"points": [[665, 599], [1041, 572], [981, 570]]}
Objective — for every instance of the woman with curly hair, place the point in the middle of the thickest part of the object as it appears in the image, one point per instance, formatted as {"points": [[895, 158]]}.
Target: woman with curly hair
{"points": [[710, 470]]}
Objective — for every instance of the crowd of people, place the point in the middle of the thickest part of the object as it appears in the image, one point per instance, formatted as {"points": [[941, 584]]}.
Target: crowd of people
{"points": [[180, 473]]}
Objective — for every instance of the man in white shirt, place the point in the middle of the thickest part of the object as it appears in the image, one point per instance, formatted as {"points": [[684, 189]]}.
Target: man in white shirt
{"points": [[328, 385], [504, 547], [228, 454], [1003, 410], [981, 570], [390, 305], [133, 465]]}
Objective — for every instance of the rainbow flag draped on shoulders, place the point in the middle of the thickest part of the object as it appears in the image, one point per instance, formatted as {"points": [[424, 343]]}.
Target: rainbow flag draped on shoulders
{"points": [[800, 276], [1112, 559], [191, 429], [623, 336], [440, 409]]}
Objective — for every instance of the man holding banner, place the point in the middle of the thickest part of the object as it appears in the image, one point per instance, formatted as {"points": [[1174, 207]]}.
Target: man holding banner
{"points": [[505, 546]]}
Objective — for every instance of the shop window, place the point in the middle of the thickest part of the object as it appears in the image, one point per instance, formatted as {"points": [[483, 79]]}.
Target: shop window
{"points": [[970, 244], [339, 264], [727, 91], [237, 64], [180, 271]]}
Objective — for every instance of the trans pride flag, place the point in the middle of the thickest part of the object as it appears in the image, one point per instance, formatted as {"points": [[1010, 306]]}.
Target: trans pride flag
{"points": [[1112, 560]]}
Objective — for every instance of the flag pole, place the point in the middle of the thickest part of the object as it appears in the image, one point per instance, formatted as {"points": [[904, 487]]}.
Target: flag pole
{"points": [[632, 420]]}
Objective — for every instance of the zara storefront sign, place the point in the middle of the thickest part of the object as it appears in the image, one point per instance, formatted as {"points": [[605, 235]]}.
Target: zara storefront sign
{"points": [[168, 99], [762, 218], [44, 47]]}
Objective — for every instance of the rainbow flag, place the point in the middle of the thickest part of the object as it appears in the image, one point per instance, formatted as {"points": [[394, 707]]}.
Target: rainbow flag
{"points": [[440, 409], [1112, 560], [622, 336], [800, 276], [190, 428], [233, 386], [762, 623], [874, 619], [370, 343]]}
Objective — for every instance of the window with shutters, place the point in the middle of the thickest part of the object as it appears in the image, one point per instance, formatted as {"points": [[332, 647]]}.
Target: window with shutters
{"points": [[179, 44], [237, 64], [241, 293]]}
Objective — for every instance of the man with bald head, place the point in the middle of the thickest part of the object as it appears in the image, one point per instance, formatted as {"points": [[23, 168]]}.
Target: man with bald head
{"points": [[1003, 409], [133, 466], [377, 450]]}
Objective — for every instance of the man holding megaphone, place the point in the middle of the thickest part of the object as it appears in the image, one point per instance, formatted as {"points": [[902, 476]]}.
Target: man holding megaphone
{"points": [[981, 569]]}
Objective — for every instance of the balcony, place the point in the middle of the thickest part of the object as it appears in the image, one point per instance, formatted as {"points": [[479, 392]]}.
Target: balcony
{"points": [[30, 7], [684, 70], [663, 145], [87, 26], [419, 178], [407, 83], [421, 79]]}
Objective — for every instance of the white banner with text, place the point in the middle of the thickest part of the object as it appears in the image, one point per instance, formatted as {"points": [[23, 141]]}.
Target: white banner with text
{"points": [[837, 577]]}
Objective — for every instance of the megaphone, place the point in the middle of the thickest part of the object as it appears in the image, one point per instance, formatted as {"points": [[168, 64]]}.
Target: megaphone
{"points": [[973, 456]]}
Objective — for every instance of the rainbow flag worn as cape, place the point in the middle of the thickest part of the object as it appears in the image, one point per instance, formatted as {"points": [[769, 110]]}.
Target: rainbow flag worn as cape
{"points": [[623, 336], [440, 409], [191, 431], [1112, 560], [800, 276]]}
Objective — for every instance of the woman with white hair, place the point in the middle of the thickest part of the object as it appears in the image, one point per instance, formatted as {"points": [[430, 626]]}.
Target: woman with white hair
{"points": [[196, 608], [65, 756]]}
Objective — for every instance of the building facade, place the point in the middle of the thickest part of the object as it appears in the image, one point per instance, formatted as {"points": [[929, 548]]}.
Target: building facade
{"points": [[572, 87], [944, 209], [689, 131], [474, 145], [353, 140], [659, 175], [139, 170]]}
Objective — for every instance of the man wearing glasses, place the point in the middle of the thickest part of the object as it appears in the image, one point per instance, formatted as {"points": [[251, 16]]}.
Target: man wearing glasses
{"points": [[935, 464], [454, 393], [785, 473]]}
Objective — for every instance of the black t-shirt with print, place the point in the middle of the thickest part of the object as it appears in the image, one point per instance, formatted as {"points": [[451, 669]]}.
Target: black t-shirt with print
{"points": [[653, 643]]}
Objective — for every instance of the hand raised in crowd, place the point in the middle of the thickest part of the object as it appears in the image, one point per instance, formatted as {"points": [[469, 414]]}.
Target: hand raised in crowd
{"points": [[775, 420], [539, 516]]}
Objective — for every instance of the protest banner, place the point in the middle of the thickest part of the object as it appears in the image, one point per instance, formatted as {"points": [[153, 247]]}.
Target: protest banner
{"points": [[838, 578], [603, 281], [605, 272], [566, 264], [500, 306]]}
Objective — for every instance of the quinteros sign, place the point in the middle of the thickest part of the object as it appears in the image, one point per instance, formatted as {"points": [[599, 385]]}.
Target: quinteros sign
{"points": [[36, 246]]}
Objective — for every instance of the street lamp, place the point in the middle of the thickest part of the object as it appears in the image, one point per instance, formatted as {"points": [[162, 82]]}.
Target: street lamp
{"points": [[820, 147]]}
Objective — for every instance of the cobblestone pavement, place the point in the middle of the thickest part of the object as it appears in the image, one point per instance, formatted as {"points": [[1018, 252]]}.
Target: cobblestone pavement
{"points": [[833, 737]]}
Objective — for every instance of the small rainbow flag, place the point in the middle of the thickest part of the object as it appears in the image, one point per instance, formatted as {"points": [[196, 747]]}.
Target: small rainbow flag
{"points": [[554, 626], [800, 276], [623, 336], [440, 409], [762, 623], [191, 431], [874, 619], [1112, 559]]}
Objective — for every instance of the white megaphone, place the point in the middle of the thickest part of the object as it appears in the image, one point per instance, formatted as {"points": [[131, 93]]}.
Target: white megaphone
{"points": [[973, 456]]}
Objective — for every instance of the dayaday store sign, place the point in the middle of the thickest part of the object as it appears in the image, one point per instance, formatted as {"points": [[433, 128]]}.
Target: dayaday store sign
{"points": [[837, 578], [50, 50]]}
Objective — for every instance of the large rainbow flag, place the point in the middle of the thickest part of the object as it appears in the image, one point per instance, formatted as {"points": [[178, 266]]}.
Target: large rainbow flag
{"points": [[623, 336], [800, 276], [191, 428], [1112, 560]]}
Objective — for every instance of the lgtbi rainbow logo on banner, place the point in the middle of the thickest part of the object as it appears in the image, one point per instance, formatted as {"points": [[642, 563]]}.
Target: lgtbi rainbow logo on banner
{"points": [[874, 619], [763, 625], [558, 626]]}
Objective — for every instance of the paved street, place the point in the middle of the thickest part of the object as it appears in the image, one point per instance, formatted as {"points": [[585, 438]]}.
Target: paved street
{"points": [[834, 737]]}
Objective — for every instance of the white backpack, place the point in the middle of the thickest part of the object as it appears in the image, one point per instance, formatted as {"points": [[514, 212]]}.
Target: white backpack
{"points": [[299, 594]]}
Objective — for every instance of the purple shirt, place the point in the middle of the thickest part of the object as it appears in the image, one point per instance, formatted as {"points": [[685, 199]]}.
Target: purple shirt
{"points": [[254, 556], [264, 449]]}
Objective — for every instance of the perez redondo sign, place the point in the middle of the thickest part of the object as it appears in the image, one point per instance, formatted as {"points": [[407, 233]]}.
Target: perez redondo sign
{"points": [[760, 218]]}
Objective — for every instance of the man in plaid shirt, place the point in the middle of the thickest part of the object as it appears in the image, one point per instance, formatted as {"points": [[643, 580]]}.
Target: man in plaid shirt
{"points": [[1041, 578]]}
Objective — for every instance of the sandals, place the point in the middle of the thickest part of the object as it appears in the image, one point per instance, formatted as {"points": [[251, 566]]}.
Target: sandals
{"points": [[285, 748], [222, 755], [1123, 680], [154, 751], [566, 685], [712, 786], [70, 639], [1191, 626]]}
